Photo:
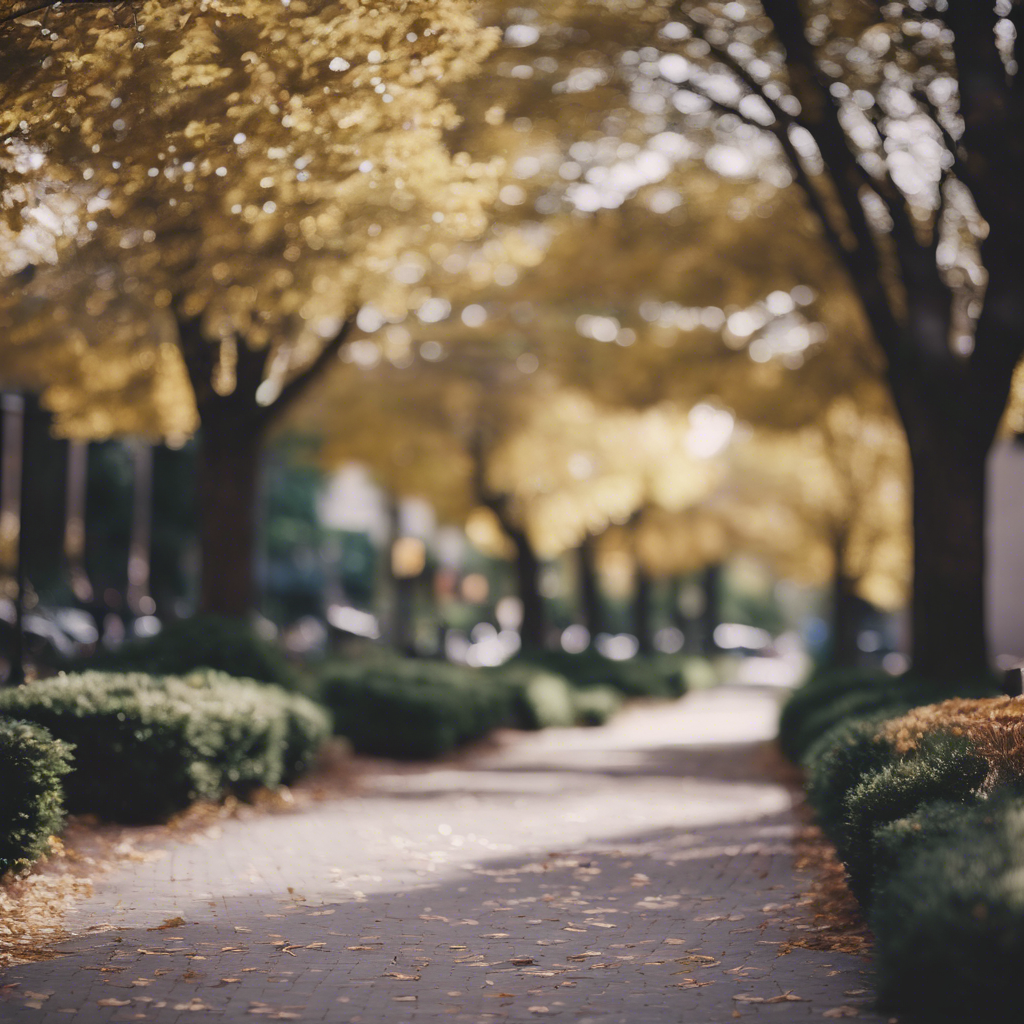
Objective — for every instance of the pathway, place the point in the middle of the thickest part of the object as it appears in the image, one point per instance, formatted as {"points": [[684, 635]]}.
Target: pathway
{"points": [[640, 873]]}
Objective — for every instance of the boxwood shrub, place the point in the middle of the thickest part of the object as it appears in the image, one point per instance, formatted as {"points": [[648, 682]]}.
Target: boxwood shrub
{"points": [[147, 746], [652, 676], [32, 764], [414, 708], [949, 915], [931, 832], [834, 697]]}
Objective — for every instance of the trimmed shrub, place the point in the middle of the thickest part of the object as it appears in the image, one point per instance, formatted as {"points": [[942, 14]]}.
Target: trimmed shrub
{"points": [[944, 769], [32, 764], [653, 676], [837, 763], [140, 755], [203, 641], [146, 747], [541, 699], [595, 705], [949, 920], [414, 708], [308, 726], [832, 697], [903, 790]]}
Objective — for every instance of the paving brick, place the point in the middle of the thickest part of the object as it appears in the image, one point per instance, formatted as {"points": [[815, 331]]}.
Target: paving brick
{"points": [[605, 876]]}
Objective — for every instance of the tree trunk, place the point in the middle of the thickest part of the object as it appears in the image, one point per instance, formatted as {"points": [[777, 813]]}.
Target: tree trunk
{"points": [[948, 598], [844, 613], [533, 629], [591, 607], [709, 615], [13, 520], [642, 612], [76, 489], [229, 460]]}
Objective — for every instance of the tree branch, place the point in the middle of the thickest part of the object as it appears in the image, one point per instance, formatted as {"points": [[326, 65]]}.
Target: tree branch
{"points": [[856, 246], [298, 385]]}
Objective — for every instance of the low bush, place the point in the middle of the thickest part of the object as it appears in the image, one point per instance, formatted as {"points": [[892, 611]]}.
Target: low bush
{"points": [[541, 699], [949, 917], [595, 705], [203, 641], [413, 708], [32, 765], [925, 804], [652, 676], [147, 746], [943, 769], [834, 697], [837, 763]]}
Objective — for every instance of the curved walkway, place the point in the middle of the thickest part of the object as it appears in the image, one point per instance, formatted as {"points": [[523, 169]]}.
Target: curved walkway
{"points": [[640, 872]]}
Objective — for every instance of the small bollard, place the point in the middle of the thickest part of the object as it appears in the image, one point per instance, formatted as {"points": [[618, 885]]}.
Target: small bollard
{"points": [[1013, 682]]}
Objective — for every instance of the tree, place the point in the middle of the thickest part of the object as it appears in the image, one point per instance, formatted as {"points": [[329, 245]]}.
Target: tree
{"points": [[251, 172], [902, 126]]}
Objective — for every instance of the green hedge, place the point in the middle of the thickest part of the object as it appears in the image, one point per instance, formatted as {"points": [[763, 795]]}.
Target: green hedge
{"points": [[835, 697], [661, 675], [417, 708], [32, 764], [545, 699], [934, 852], [413, 708], [147, 746], [201, 642], [949, 914]]}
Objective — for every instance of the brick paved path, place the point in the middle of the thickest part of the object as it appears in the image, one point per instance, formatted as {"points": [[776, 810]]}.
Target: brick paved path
{"points": [[636, 873]]}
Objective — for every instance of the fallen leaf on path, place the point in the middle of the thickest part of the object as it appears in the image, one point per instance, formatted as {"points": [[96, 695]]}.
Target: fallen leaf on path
{"points": [[842, 1011], [523, 961], [170, 922], [787, 997], [113, 1002], [402, 977]]}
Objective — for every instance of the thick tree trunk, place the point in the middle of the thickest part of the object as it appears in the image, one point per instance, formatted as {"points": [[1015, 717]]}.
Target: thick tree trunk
{"points": [[229, 463], [948, 598], [533, 630], [642, 612], [591, 607]]}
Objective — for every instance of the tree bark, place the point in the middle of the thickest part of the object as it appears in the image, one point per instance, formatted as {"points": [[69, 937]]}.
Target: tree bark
{"points": [[591, 606], [844, 612], [229, 465], [642, 612], [533, 630], [948, 462], [709, 615], [233, 427], [230, 444]]}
